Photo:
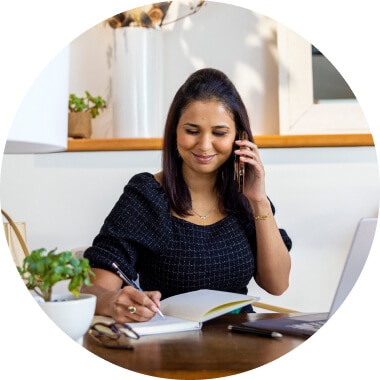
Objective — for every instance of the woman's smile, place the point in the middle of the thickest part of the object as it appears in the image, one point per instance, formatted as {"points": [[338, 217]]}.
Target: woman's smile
{"points": [[203, 159]]}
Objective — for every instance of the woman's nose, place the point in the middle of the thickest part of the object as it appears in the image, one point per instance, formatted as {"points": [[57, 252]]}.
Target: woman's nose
{"points": [[205, 142]]}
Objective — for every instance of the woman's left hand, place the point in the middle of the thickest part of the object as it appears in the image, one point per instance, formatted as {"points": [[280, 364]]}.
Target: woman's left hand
{"points": [[254, 180], [273, 260]]}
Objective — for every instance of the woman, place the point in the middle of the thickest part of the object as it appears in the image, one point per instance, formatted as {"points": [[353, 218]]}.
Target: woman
{"points": [[188, 227]]}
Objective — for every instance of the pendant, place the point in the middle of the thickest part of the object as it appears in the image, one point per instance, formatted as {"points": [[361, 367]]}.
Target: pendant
{"points": [[203, 217]]}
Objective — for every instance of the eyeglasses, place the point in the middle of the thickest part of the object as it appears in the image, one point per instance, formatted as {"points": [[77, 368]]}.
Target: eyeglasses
{"points": [[114, 335]]}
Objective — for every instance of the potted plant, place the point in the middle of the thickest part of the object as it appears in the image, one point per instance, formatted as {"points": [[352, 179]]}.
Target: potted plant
{"points": [[72, 312], [41, 270], [81, 111]]}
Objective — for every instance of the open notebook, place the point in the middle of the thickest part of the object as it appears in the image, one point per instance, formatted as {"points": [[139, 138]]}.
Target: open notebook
{"points": [[308, 323], [187, 311]]}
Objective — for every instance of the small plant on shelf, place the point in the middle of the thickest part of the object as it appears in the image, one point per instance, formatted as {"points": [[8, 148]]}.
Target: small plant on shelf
{"points": [[88, 103], [81, 111]]}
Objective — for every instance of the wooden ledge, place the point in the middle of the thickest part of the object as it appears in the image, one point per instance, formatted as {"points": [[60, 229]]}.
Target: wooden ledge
{"points": [[83, 145], [264, 141]]}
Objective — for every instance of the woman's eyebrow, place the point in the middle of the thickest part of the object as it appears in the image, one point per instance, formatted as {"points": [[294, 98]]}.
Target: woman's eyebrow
{"points": [[222, 126], [190, 124]]}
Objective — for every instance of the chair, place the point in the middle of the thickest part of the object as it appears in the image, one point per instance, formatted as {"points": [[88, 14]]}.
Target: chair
{"points": [[16, 238]]}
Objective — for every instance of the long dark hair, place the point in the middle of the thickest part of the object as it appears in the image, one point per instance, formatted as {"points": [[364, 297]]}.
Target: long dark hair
{"points": [[204, 85]]}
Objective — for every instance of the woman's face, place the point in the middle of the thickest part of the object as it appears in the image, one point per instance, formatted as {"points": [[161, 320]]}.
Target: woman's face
{"points": [[205, 136]]}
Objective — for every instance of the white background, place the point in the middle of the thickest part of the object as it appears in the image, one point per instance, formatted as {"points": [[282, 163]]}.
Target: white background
{"points": [[346, 31]]}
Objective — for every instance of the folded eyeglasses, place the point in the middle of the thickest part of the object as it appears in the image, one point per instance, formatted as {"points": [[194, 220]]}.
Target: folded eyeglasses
{"points": [[113, 335]]}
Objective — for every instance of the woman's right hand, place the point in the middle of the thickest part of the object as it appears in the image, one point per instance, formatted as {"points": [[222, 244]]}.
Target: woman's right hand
{"points": [[132, 305], [122, 304]]}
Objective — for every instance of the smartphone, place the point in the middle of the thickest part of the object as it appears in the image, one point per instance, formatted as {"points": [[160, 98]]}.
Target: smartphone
{"points": [[240, 166]]}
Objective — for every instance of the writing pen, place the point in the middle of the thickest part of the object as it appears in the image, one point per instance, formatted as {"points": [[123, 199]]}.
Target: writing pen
{"points": [[250, 330], [130, 282]]}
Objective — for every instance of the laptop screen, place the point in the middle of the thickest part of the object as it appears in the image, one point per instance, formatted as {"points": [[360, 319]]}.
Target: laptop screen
{"points": [[357, 256], [307, 324]]}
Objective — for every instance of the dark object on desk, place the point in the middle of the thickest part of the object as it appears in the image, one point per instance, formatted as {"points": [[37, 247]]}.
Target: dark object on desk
{"points": [[251, 330], [303, 325], [113, 335]]}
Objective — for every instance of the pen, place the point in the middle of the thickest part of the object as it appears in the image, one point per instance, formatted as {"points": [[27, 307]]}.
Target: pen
{"points": [[250, 330], [130, 282]]}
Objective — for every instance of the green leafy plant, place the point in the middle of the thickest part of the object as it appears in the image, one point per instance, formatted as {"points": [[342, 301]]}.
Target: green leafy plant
{"points": [[41, 270], [88, 103]]}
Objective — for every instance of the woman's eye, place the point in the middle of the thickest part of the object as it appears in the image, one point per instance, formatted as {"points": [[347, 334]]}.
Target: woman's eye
{"points": [[191, 131], [219, 133]]}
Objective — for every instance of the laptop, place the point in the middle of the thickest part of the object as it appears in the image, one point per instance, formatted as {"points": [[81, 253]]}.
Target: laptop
{"points": [[306, 324]]}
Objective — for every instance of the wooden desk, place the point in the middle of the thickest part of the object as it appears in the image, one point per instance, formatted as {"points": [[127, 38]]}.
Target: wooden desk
{"points": [[209, 353]]}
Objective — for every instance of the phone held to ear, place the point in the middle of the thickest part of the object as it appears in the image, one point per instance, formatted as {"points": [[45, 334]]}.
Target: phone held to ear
{"points": [[240, 166]]}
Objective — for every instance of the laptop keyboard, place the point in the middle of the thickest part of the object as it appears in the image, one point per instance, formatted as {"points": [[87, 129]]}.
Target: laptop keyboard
{"points": [[308, 326]]}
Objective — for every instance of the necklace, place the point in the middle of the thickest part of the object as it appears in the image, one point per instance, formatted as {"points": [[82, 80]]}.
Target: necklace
{"points": [[203, 217]]}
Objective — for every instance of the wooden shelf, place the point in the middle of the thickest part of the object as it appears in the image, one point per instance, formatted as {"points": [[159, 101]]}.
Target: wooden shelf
{"points": [[83, 145], [267, 141]]}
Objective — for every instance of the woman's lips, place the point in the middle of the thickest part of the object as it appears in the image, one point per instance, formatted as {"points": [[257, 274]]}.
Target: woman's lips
{"points": [[203, 159]]}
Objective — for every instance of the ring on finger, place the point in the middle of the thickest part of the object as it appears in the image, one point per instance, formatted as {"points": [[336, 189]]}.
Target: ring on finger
{"points": [[132, 309]]}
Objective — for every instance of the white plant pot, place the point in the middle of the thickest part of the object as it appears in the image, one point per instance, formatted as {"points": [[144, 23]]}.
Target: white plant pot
{"points": [[70, 314], [137, 82]]}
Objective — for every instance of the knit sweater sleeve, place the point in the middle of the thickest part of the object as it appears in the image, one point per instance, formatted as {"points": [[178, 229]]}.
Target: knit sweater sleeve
{"points": [[134, 224]]}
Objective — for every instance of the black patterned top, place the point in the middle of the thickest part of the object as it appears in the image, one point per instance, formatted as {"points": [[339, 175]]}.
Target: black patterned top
{"points": [[170, 254]]}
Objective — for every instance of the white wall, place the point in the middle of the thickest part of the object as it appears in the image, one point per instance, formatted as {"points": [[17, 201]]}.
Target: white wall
{"points": [[320, 194]]}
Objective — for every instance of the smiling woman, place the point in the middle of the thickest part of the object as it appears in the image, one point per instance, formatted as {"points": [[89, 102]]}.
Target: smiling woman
{"points": [[205, 136], [187, 227]]}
